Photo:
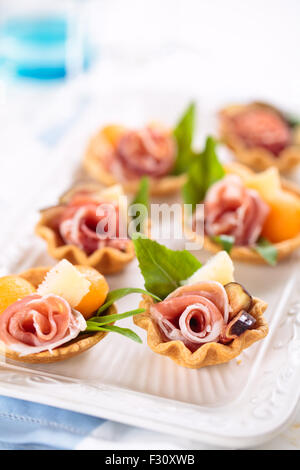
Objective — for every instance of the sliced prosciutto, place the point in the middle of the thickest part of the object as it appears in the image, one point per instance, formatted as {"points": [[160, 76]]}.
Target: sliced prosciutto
{"points": [[83, 223], [262, 127], [149, 151], [232, 209], [194, 314], [35, 323]]}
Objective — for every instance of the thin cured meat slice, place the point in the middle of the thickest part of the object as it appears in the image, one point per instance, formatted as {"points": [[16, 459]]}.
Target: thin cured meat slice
{"points": [[262, 127], [150, 151], [195, 314], [82, 224], [212, 290], [232, 209], [39, 323]]}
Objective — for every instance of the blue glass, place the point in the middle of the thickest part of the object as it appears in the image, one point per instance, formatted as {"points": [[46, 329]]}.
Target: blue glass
{"points": [[36, 47]]}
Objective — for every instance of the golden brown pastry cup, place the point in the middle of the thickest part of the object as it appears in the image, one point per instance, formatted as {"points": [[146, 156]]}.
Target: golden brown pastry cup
{"points": [[93, 164], [244, 253], [208, 354], [106, 260], [258, 158], [71, 349]]}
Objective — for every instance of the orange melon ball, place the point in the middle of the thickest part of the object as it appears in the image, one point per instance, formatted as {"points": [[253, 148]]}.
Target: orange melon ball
{"points": [[113, 133], [97, 293], [283, 221], [13, 288]]}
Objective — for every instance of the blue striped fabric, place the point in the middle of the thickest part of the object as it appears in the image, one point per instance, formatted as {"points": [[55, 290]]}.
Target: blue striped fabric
{"points": [[26, 425]]}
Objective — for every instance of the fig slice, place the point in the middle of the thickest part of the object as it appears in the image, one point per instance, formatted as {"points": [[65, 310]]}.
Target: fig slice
{"points": [[239, 299], [241, 322]]}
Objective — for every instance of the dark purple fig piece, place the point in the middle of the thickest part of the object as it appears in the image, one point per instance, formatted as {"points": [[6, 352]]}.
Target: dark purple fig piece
{"points": [[239, 299], [242, 322]]}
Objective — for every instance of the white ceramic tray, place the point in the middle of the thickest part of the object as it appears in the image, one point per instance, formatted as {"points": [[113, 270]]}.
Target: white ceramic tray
{"points": [[240, 404]]}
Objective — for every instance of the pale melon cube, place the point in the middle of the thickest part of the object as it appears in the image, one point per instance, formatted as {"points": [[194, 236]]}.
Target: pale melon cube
{"points": [[218, 268], [66, 281], [266, 183]]}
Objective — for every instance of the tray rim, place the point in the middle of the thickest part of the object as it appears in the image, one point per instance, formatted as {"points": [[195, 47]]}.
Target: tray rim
{"points": [[62, 396]]}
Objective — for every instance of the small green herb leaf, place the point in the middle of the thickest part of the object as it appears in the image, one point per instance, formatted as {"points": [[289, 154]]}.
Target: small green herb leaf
{"points": [[183, 134], [226, 242], [92, 326], [205, 170], [142, 197], [266, 250], [117, 294], [163, 269], [292, 120], [106, 319]]}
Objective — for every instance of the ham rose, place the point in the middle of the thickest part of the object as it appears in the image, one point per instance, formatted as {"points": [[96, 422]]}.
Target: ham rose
{"points": [[79, 224], [35, 323], [232, 209], [195, 314], [150, 151], [262, 128]]}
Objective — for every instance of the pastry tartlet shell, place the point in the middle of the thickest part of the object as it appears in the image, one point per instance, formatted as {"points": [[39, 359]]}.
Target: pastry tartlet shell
{"points": [[243, 253], [71, 349], [208, 354], [106, 260], [95, 168], [258, 158]]}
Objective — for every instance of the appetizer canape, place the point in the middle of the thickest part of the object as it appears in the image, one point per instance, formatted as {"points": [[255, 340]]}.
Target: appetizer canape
{"points": [[117, 154], [254, 216], [48, 315], [76, 228], [261, 136], [204, 317]]}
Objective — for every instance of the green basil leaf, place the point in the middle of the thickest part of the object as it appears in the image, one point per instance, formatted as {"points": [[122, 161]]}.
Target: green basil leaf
{"points": [[106, 319], [293, 121], [142, 197], [205, 170], [163, 269], [183, 134], [91, 326], [190, 191], [117, 294], [226, 242], [267, 251]]}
